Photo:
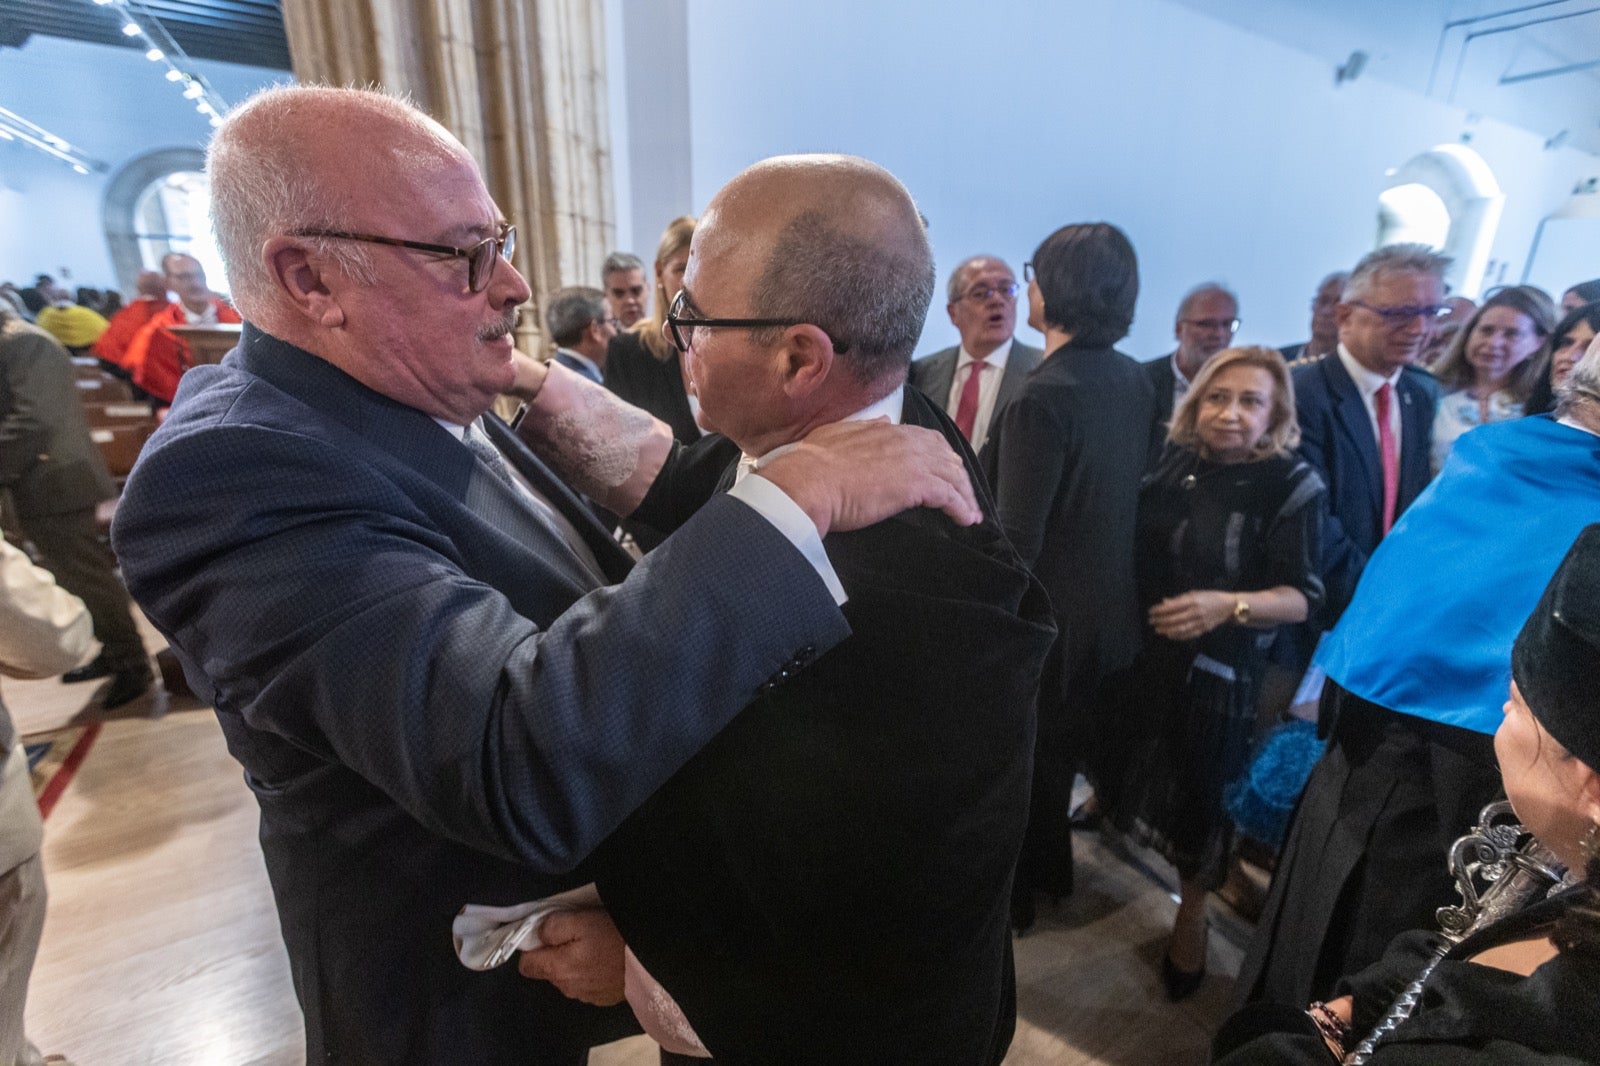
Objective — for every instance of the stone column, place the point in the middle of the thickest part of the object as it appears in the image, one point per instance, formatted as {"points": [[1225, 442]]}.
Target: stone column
{"points": [[522, 83]]}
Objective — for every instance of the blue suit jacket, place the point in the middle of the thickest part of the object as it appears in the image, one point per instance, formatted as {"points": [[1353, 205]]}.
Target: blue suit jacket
{"points": [[577, 366], [433, 702], [1336, 438]]}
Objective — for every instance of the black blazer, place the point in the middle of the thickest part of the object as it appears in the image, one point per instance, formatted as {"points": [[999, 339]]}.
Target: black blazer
{"points": [[645, 381], [1065, 463], [1165, 382], [1336, 438], [934, 374], [827, 882]]}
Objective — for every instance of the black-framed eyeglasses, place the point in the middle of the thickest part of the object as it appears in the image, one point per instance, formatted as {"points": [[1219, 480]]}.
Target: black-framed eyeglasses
{"points": [[481, 257], [981, 293], [1229, 324], [680, 328], [1395, 317]]}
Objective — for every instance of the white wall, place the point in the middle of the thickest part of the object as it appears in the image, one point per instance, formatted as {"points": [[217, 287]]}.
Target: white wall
{"points": [[1222, 154], [113, 104]]}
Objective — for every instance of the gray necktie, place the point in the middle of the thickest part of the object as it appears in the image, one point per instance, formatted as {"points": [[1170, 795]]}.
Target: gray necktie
{"points": [[490, 456]]}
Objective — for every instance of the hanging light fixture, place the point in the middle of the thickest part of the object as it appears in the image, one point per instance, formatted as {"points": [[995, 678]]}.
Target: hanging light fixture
{"points": [[13, 127], [160, 48]]}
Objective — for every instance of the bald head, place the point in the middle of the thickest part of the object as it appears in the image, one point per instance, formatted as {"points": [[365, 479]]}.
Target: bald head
{"points": [[831, 240], [297, 158], [151, 283]]}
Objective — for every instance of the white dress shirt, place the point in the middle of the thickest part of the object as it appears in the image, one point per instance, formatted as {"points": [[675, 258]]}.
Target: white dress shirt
{"points": [[988, 388], [1180, 382], [1368, 383]]}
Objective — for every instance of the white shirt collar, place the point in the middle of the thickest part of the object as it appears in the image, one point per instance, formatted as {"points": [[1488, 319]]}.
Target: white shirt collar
{"points": [[997, 357], [890, 407], [1177, 372], [1366, 380]]}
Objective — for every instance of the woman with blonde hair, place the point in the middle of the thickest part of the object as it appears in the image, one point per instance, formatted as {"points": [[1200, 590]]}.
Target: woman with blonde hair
{"points": [[1227, 549], [1487, 374], [642, 366]]}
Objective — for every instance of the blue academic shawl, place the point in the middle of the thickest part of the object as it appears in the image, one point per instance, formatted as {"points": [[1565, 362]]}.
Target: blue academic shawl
{"points": [[1429, 631]]}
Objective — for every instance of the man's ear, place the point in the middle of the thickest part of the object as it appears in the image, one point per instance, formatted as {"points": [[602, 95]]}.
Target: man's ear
{"points": [[299, 275], [950, 309], [594, 332], [1342, 312], [807, 356]]}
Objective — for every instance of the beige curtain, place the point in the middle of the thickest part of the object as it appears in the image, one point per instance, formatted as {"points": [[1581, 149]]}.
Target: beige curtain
{"points": [[522, 83]]}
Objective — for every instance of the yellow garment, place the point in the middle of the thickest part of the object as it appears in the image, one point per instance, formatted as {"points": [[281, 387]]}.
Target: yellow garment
{"points": [[73, 326]]}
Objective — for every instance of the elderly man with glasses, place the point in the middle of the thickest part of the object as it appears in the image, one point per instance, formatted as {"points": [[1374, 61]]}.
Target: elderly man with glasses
{"points": [[401, 616], [1208, 317], [975, 380]]}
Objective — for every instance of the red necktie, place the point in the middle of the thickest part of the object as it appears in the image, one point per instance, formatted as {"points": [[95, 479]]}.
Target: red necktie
{"points": [[967, 406], [1388, 454]]}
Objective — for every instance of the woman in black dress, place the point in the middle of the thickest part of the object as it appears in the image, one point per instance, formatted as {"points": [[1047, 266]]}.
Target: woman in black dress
{"points": [[1521, 982], [642, 366], [1227, 543]]}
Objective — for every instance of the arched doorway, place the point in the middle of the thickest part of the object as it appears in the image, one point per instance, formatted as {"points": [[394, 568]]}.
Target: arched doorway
{"points": [[160, 203], [1448, 198]]}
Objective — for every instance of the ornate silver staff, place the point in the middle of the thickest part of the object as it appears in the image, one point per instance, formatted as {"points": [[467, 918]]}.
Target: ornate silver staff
{"points": [[1515, 870]]}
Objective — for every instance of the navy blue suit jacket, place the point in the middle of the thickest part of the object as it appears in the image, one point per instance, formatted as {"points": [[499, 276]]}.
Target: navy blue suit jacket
{"points": [[434, 702], [578, 366], [1336, 438]]}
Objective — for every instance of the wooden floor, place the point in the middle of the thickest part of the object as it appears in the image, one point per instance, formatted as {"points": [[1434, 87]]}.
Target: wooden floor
{"points": [[161, 945]]}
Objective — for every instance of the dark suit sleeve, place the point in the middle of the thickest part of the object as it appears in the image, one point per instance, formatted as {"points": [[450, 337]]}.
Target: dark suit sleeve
{"points": [[325, 607], [688, 479], [1029, 457], [22, 431], [1342, 559]]}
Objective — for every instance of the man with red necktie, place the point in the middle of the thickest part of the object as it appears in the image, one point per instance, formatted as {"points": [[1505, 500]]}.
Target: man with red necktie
{"points": [[1388, 779], [974, 380]]}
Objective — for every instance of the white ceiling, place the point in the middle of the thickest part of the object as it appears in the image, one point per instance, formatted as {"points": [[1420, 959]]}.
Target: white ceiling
{"points": [[1530, 63]]}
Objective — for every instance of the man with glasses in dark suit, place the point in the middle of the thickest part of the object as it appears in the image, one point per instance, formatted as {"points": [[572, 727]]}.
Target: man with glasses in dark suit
{"points": [[976, 379], [1366, 423], [1208, 317]]}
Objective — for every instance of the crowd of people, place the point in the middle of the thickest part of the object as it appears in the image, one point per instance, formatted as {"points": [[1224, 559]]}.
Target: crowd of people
{"points": [[738, 686]]}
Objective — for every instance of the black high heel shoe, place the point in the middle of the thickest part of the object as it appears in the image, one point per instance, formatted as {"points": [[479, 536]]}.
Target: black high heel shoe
{"points": [[1181, 984]]}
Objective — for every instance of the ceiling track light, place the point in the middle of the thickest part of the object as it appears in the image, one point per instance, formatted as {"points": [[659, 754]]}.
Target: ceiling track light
{"points": [[13, 127], [160, 47]]}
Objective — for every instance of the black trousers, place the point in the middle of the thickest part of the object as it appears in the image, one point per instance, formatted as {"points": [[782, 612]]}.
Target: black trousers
{"points": [[1368, 847], [69, 545]]}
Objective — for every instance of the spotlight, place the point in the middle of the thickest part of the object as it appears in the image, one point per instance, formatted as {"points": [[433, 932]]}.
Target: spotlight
{"points": [[80, 168], [174, 75], [155, 55], [131, 29], [193, 90]]}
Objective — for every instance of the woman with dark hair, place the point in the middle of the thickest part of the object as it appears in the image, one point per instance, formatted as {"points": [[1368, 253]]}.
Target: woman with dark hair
{"points": [[642, 366], [1065, 461], [1556, 359], [1488, 373], [1584, 292], [1227, 551], [1516, 977]]}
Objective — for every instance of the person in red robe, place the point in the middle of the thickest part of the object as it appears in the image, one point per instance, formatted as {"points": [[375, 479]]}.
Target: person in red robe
{"points": [[112, 347], [156, 357]]}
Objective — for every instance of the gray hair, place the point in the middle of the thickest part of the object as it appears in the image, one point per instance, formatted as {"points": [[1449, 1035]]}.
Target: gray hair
{"points": [[619, 263], [1394, 259], [1206, 288], [1583, 383], [869, 296], [569, 311], [261, 187], [954, 288]]}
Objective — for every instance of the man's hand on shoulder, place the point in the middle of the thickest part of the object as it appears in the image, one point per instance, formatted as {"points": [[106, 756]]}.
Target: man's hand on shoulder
{"points": [[849, 475]]}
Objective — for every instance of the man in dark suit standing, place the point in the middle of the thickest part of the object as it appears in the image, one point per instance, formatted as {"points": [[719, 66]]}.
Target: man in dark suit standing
{"points": [[55, 476], [1366, 421], [405, 637], [828, 880], [577, 319], [1207, 319], [975, 380]]}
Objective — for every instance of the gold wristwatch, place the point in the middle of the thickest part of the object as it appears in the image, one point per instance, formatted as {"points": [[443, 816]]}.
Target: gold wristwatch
{"points": [[1241, 611]]}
